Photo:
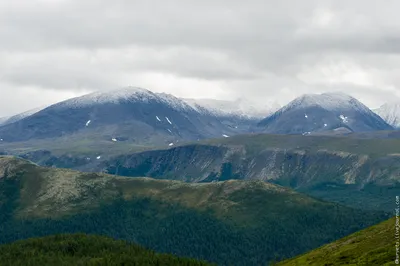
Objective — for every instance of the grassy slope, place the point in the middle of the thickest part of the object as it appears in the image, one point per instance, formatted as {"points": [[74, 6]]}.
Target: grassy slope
{"points": [[372, 246], [234, 221], [81, 249]]}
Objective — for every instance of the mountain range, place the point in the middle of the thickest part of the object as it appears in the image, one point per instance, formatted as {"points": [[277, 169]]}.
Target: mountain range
{"points": [[228, 182], [129, 114], [140, 116]]}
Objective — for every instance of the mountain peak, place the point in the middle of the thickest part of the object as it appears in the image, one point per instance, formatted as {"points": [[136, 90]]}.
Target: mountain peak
{"points": [[329, 101], [113, 96], [390, 112], [312, 113]]}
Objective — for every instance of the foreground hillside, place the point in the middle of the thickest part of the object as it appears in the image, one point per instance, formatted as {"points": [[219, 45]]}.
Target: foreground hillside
{"points": [[81, 249], [230, 223], [372, 246]]}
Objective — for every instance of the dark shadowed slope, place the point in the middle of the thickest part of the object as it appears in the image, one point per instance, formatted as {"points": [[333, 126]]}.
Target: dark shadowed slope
{"points": [[81, 249]]}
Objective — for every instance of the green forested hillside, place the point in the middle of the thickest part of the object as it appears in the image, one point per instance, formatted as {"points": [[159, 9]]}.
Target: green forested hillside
{"points": [[81, 249], [374, 246], [229, 223]]}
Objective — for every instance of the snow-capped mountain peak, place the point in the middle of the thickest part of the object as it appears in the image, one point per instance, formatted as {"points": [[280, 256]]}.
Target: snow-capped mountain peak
{"points": [[132, 94], [114, 96], [390, 112], [331, 101], [322, 112]]}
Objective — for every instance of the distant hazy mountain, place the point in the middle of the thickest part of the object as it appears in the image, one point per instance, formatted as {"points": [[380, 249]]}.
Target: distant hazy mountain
{"points": [[240, 108], [322, 112], [17, 117], [390, 112], [129, 113], [2, 120]]}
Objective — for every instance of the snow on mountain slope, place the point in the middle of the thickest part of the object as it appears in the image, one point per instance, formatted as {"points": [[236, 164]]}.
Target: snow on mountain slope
{"points": [[312, 113], [134, 114], [390, 112], [328, 101], [130, 94], [241, 107]]}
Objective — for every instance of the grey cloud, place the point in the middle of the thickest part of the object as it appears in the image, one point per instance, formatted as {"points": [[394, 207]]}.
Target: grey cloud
{"points": [[278, 49]]}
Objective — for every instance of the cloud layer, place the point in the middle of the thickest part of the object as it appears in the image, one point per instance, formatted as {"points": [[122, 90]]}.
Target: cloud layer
{"points": [[54, 49]]}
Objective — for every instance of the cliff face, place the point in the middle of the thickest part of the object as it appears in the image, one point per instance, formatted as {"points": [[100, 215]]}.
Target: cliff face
{"points": [[327, 174], [199, 163]]}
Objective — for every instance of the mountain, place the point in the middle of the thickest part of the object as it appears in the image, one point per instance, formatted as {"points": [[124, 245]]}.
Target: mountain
{"points": [[390, 112], [363, 173], [372, 246], [312, 113], [129, 114], [229, 223], [82, 249], [241, 108], [17, 117]]}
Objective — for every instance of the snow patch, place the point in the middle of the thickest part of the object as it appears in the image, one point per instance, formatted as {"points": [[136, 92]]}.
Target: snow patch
{"points": [[225, 136], [168, 120], [88, 122], [325, 125], [158, 118], [171, 144], [344, 118], [169, 130], [114, 139], [306, 133], [98, 157], [306, 116]]}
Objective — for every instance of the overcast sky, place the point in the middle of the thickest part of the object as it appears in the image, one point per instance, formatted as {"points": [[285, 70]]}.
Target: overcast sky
{"points": [[264, 50]]}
